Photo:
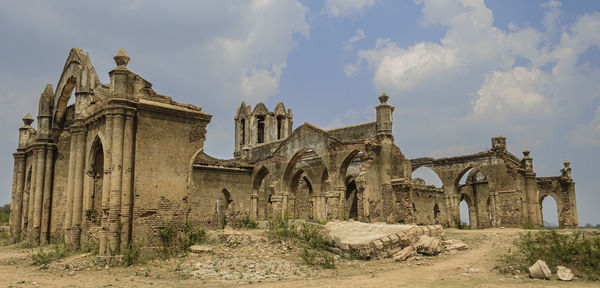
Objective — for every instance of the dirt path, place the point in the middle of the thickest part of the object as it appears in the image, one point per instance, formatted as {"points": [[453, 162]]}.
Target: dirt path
{"points": [[471, 268]]}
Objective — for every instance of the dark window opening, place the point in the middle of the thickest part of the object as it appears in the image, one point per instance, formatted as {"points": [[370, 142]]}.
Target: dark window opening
{"points": [[279, 126], [261, 129], [243, 132]]}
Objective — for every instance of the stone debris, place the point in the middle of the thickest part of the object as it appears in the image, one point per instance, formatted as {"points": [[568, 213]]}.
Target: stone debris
{"points": [[540, 270], [403, 254], [429, 246], [378, 240], [454, 245], [199, 249], [564, 273]]}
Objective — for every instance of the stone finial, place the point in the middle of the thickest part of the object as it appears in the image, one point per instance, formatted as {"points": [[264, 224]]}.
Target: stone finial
{"points": [[383, 98], [121, 58], [566, 172], [526, 152], [28, 119], [567, 163]]}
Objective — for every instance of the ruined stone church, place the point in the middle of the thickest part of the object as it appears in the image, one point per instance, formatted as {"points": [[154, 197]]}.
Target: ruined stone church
{"points": [[124, 161]]}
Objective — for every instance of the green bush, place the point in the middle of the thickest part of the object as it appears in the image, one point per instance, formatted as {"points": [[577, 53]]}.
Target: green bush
{"points": [[578, 251], [43, 258], [309, 237], [4, 214], [131, 254], [247, 223], [193, 235]]}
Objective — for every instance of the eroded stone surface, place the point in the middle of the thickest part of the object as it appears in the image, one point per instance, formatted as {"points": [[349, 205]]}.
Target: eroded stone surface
{"points": [[539, 270], [564, 273]]}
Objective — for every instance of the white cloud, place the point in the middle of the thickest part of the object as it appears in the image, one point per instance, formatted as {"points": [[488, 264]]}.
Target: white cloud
{"points": [[587, 135], [341, 8], [261, 83], [360, 35], [474, 63]]}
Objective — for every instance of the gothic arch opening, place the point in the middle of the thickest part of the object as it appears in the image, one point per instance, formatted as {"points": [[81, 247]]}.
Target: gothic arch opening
{"points": [[549, 212], [65, 99], [351, 207], [224, 202], [302, 193], [436, 214], [473, 184], [260, 186], [467, 215], [96, 168], [426, 176]]}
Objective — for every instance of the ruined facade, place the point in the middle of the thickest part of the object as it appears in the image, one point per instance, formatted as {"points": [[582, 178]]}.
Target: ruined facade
{"points": [[123, 161]]}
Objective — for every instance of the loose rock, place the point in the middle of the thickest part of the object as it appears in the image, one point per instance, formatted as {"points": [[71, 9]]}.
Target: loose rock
{"points": [[539, 270], [427, 245], [403, 254], [564, 273]]}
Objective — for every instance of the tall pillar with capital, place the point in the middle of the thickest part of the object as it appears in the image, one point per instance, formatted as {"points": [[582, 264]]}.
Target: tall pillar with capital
{"points": [[106, 180], [47, 197], [127, 196], [115, 181], [39, 190], [80, 138], [15, 213], [70, 187]]}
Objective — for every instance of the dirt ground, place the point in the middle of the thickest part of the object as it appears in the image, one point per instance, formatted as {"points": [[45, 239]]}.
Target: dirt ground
{"points": [[470, 268]]}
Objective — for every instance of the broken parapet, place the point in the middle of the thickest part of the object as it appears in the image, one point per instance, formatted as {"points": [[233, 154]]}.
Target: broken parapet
{"points": [[376, 240]]}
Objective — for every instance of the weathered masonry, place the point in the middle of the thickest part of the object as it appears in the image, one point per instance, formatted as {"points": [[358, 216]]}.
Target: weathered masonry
{"points": [[123, 161]]}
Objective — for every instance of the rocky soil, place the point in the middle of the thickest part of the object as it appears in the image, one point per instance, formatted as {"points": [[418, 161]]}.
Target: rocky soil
{"points": [[249, 258]]}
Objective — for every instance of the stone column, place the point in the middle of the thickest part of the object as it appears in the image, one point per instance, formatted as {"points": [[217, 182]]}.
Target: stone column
{"points": [[13, 194], [31, 195], [39, 190], [254, 206], [70, 187], [19, 179], [332, 200], [127, 197], [276, 201], [80, 137], [47, 198], [106, 180], [115, 182], [341, 195]]}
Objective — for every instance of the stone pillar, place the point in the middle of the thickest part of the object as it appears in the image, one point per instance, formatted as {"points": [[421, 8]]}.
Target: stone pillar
{"points": [[13, 194], [106, 180], [127, 197], [39, 190], [31, 195], [291, 206], [47, 198], [341, 194], [70, 187], [115, 182], [254, 206], [332, 200], [276, 204], [16, 210], [80, 137]]}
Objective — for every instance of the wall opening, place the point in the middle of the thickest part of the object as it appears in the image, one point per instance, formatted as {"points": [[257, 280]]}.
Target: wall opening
{"points": [[549, 212], [261, 129], [242, 132], [97, 169], [351, 208], [279, 127], [464, 216], [425, 176], [436, 214]]}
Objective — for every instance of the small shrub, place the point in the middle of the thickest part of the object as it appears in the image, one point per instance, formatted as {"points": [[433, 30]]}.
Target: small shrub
{"points": [[578, 251], [281, 228], [167, 238], [42, 257], [459, 224], [131, 254], [193, 235], [4, 238], [247, 223], [4, 214]]}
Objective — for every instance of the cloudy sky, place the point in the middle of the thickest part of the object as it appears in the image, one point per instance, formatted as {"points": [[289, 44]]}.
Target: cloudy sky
{"points": [[458, 72]]}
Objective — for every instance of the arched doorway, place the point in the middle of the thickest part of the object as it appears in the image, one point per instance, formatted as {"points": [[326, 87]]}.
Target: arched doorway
{"points": [[549, 212], [436, 214], [467, 218], [223, 204], [260, 186], [351, 207], [302, 193], [97, 176]]}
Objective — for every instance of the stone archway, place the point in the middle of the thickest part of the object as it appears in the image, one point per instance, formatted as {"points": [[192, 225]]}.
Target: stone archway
{"points": [[548, 221], [261, 203], [351, 197], [96, 173]]}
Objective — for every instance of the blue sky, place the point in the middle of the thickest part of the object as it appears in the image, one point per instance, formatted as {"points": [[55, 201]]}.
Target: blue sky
{"points": [[458, 72]]}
